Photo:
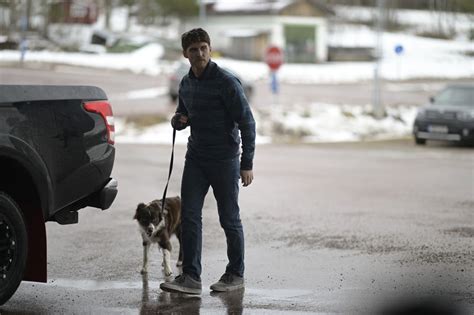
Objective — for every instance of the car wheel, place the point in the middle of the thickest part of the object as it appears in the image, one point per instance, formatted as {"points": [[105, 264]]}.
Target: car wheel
{"points": [[467, 143], [420, 141], [13, 247]]}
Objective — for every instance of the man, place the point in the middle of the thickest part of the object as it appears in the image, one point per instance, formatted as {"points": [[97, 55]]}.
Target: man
{"points": [[213, 104]]}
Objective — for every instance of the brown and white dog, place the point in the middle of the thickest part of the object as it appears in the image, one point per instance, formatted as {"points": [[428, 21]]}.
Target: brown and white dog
{"points": [[157, 226]]}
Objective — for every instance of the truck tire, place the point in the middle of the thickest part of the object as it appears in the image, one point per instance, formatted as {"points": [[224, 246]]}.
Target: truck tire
{"points": [[13, 247], [420, 141]]}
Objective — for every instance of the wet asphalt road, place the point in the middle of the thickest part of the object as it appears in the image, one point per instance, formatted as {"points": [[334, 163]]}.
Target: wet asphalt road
{"points": [[330, 228]]}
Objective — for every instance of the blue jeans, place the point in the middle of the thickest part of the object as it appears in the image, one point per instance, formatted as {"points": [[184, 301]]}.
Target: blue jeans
{"points": [[223, 177]]}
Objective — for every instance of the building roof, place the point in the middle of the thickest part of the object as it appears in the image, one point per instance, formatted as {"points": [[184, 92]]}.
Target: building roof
{"points": [[263, 7], [250, 6]]}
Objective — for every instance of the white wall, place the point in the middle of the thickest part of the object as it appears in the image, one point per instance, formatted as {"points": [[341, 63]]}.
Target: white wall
{"points": [[321, 39], [70, 34], [219, 28]]}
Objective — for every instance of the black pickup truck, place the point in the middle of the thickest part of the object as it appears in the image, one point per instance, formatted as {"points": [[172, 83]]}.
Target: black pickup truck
{"points": [[56, 157]]}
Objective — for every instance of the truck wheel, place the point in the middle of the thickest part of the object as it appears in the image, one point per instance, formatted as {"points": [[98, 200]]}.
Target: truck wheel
{"points": [[420, 141], [13, 247]]}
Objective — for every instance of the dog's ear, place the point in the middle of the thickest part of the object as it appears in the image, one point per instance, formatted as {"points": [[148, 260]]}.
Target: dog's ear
{"points": [[140, 206]]}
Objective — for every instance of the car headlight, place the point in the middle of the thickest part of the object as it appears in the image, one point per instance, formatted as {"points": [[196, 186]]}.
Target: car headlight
{"points": [[466, 116]]}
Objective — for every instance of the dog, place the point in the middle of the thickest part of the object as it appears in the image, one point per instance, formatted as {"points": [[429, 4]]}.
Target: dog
{"points": [[157, 226]]}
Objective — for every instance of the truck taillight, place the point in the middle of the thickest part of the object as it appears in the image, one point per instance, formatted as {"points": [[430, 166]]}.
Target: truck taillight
{"points": [[105, 110]]}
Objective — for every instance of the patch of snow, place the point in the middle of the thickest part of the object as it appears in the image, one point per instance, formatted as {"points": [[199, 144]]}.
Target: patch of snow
{"points": [[315, 123], [145, 60]]}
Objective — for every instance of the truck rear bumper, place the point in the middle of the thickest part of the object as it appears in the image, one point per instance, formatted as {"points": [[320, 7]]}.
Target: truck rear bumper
{"points": [[107, 195], [102, 199]]}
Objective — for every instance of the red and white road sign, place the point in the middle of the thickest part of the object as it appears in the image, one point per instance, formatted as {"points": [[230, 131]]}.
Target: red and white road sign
{"points": [[274, 57]]}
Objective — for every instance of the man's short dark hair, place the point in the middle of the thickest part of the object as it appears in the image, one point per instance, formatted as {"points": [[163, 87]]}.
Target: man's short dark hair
{"points": [[195, 35]]}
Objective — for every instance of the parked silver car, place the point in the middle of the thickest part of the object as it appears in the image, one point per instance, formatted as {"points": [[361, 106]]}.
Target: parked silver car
{"points": [[183, 69], [449, 116]]}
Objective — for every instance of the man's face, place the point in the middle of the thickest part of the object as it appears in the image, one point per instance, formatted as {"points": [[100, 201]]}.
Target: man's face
{"points": [[198, 54]]}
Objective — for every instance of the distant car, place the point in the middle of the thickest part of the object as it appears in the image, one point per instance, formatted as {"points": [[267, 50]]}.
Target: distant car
{"points": [[448, 117], [183, 69]]}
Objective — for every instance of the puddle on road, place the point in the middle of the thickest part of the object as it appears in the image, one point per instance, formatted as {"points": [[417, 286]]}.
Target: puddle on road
{"points": [[93, 285], [126, 297], [250, 301], [259, 311], [280, 294], [213, 311]]}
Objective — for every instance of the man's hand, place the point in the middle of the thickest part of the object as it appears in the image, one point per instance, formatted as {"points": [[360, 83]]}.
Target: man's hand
{"points": [[179, 121], [246, 176]]}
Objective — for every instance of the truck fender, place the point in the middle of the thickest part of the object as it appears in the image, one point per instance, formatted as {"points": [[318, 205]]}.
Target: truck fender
{"points": [[23, 153], [35, 215]]}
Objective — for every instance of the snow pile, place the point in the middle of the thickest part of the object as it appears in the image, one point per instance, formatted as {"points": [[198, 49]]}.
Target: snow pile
{"points": [[146, 59], [316, 123], [333, 123]]}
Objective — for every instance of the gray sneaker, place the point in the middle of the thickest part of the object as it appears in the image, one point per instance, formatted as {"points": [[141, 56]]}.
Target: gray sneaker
{"points": [[228, 282], [182, 284]]}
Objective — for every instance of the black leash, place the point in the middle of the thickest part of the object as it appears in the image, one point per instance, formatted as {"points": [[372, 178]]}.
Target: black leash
{"points": [[169, 176]]}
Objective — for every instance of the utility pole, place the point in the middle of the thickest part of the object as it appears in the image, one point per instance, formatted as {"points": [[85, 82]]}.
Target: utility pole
{"points": [[202, 11], [45, 14], [108, 12], [378, 109], [13, 18]]}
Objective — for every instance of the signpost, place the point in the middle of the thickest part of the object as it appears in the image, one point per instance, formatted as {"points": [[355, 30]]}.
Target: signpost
{"points": [[274, 60], [23, 42], [399, 50]]}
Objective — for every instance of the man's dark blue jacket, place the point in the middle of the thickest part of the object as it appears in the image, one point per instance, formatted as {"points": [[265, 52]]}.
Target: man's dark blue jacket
{"points": [[217, 109]]}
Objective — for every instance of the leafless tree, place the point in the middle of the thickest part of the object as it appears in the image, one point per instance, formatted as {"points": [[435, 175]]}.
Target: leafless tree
{"points": [[108, 5], [443, 11], [45, 15], [391, 19], [12, 27]]}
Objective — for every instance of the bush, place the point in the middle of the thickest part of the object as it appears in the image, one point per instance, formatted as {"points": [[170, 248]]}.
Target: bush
{"points": [[437, 35], [471, 34]]}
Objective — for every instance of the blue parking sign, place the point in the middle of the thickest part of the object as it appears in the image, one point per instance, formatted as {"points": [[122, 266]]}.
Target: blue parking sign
{"points": [[398, 49]]}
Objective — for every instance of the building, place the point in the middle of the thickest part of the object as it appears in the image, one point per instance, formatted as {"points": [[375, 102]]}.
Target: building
{"points": [[70, 22], [73, 12], [244, 29]]}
